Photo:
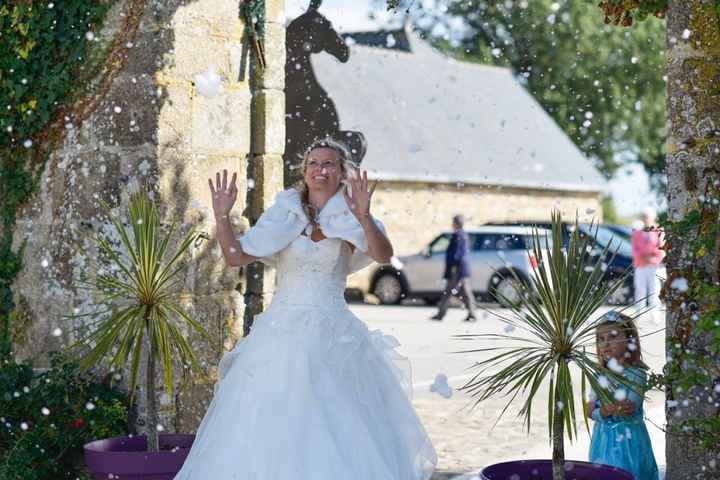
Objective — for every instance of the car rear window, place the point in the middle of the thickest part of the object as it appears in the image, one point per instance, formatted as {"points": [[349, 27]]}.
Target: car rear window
{"points": [[500, 241]]}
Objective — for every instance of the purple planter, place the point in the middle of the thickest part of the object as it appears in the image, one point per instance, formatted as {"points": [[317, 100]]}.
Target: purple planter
{"points": [[127, 458], [542, 470]]}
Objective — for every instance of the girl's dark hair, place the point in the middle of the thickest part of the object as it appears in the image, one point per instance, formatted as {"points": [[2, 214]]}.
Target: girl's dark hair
{"points": [[623, 323]]}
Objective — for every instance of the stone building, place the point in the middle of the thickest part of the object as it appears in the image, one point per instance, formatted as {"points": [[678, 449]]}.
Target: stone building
{"points": [[447, 137], [154, 123]]}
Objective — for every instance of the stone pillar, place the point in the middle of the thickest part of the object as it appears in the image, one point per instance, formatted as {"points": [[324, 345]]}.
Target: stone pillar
{"points": [[265, 172]]}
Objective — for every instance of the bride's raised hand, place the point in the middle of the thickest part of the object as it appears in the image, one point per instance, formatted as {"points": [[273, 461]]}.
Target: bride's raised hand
{"points": [[361, 197], [223, 195]]}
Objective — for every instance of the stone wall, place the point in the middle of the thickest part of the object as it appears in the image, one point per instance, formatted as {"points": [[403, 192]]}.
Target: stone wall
{"points": [[154, 125], [415, 213]]}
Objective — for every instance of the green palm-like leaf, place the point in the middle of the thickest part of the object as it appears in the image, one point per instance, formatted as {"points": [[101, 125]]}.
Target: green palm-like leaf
{"points": [[137, 297], [556, 312]]}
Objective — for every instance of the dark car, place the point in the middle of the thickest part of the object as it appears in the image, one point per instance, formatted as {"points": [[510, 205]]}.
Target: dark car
{"points": [[617, 237], [622, 230]]}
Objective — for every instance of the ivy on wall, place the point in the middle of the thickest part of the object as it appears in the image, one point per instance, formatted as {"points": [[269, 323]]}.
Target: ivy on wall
{"points": [[43, 49]]}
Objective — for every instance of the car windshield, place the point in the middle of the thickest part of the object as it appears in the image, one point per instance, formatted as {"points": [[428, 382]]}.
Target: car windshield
{"points": [[440, 244], [606, 237]]}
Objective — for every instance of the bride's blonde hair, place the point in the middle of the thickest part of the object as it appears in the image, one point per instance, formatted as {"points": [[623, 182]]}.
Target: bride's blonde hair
{"points": [[347, 169]]}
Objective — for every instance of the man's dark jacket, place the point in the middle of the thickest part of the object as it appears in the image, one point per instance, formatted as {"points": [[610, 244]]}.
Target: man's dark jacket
{"points": [[457, 255]]}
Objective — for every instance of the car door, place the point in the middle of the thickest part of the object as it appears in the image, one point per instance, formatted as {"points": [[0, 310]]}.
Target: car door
{"points": [[425, 272], [485, 260]]}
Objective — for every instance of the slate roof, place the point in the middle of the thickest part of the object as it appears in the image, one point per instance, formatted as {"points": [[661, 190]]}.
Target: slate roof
{"points": [[427, 117]]}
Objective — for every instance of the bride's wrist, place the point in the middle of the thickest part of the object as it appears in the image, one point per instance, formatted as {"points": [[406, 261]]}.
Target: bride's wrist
{"points": [[364, 217]]}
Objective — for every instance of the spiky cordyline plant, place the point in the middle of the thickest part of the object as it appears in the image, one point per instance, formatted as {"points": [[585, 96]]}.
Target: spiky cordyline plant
{"points": [[557, 313], [139, 293]]}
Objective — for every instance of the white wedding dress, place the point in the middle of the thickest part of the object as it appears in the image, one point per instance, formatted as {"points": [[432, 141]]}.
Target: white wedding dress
{"points": [[311, 393]]}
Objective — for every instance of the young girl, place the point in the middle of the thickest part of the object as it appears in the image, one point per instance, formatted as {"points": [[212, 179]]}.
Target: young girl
{"points": [[619, 436]]}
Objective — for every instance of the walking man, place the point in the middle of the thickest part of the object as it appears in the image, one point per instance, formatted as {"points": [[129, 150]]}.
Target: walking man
{"points": [[457, 272]]}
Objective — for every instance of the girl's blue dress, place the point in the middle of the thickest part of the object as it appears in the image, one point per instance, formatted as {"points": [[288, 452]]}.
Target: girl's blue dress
{"points": [[624, 442]]}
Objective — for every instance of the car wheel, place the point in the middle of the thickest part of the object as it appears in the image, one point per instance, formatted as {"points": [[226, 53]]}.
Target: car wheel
{"points": [[507, 290], [388, 289]]}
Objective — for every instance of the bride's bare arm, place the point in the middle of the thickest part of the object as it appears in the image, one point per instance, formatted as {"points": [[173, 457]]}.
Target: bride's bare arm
{"points": [[231, 248], [223, 199], [379, 247]]}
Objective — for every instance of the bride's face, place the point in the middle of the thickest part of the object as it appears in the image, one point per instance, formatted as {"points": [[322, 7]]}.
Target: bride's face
{"points": [[323, 170]]}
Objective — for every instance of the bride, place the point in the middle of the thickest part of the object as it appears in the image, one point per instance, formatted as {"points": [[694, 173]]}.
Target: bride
{"points": [[311, 393]]}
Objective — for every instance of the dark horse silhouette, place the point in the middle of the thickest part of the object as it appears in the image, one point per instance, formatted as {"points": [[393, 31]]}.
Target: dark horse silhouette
{"points": [[310, 111]]}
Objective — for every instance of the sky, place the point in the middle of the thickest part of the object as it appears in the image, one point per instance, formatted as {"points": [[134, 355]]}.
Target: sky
{"points": [[630, 188]]}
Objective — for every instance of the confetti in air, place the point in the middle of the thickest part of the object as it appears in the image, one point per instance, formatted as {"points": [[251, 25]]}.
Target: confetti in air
{"points": [[209, 83], [441, 387]]}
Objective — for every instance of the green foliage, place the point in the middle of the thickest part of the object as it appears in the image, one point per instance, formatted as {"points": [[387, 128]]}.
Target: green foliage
{"points": [[139, 300], [556, 320], [254, 11], [45, 418], [625, 12], [602, 85], [610, 214], [42, 50], [694, 345]]}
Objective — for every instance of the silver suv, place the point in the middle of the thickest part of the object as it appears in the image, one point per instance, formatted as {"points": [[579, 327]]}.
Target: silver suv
{"points": [[495, 251]]}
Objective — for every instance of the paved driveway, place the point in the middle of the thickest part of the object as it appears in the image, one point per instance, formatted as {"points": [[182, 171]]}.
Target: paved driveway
{"points": [[465, 438]]}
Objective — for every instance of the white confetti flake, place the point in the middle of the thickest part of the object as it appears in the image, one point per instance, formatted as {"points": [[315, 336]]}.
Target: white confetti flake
{"points": [[603, 381], [680, 284], [89, 36], [90, 406], [396, 263], [620, 394], [209, 83], [441, 387], [27, 143], [615, 366], [45, 411]]}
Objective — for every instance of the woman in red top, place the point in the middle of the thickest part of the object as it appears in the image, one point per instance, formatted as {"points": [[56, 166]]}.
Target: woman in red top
{"points": [[648, 254]]}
